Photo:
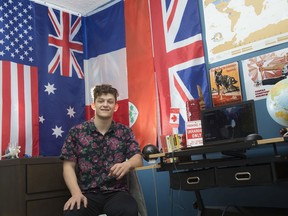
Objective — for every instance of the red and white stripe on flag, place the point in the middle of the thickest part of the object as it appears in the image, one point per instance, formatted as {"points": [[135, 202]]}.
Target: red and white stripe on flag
{"points": [[19, 107]]}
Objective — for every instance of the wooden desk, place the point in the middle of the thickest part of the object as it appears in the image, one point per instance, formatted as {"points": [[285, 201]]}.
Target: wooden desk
{"points": [[198, 174], [32, 187]]}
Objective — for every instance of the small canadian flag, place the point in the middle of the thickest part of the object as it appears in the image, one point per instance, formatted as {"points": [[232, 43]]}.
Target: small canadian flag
{"points": [[174, 117]]}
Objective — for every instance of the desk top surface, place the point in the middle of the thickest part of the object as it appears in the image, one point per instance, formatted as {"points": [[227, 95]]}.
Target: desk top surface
{"points": [[33, 160], [220, 148], [212, 149]]}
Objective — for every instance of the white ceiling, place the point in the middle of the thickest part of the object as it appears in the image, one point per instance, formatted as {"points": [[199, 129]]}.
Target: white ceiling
{"points": [[79, 7]]}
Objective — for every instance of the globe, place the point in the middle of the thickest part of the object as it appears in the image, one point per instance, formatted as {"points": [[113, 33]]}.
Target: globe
{"points": [[277, 102]]}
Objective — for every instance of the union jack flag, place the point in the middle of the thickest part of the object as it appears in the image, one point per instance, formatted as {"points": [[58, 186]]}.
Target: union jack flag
{"points": [[65, 44], [179, 57]]}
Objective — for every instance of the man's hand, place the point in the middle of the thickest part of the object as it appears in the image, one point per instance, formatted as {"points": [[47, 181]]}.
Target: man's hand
{"points": [[76, 200], [120, 169]]}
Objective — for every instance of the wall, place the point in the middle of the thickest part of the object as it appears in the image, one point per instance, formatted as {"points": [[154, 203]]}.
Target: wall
{"points": [[163, 201]]}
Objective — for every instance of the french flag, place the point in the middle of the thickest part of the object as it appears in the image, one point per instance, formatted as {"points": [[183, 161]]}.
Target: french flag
{"points": [[118, 51]]}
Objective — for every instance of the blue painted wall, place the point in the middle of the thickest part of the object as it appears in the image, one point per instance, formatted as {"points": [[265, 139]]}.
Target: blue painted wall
{"points": [[163, 201]]}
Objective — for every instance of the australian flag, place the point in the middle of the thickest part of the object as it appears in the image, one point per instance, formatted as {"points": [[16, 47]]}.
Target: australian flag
{"points": [[59, 49]]}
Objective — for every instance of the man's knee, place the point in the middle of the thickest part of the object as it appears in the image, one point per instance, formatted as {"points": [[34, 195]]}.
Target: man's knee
{"points": [[75, 211], [131, 210], [122, 204]]}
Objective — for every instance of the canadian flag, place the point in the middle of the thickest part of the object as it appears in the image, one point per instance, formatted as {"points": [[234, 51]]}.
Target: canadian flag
{"points": [[174, 117]]}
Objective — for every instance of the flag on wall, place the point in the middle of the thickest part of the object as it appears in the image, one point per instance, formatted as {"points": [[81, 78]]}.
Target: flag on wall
{"points": [[119, 52], [105, 56], [141, 76], [179, 58], [18, 78], [59, 49]]}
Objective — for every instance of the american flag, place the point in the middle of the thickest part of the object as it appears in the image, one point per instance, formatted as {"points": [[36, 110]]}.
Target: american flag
{"points": [[61, 83], [18, 78], [179, 57]]}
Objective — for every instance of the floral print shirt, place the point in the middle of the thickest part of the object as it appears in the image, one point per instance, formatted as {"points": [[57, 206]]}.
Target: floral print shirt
{"points": [[95, 153]]}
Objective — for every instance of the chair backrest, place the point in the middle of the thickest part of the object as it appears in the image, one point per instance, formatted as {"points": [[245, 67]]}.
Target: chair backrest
{"points": [[136, 191]]}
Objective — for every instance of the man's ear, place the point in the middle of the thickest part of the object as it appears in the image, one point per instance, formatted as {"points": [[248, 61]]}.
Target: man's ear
{"points": [[116, 107], [93, 106]]}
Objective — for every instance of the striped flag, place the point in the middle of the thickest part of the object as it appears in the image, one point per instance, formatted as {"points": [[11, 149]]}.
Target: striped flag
{"points": [[179, 58], [19, 109], [18, 78], [106, 56], [119, 52]]}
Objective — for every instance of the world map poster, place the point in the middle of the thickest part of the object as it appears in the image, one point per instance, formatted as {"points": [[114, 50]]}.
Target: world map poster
{"points": [[236, 27]]}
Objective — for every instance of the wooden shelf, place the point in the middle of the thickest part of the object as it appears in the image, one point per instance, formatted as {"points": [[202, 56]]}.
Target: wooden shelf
{"points": [[272, 140], [152, 166]]}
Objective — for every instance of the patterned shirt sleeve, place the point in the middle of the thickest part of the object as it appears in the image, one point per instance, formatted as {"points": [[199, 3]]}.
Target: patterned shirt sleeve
{"points": [[68, 151], [132, 145]]}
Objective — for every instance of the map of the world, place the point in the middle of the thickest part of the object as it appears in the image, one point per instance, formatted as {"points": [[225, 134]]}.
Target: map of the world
{"points": [[236, 27]]}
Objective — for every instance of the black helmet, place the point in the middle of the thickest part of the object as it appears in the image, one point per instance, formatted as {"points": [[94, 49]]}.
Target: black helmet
{"points": [[149, 149]]}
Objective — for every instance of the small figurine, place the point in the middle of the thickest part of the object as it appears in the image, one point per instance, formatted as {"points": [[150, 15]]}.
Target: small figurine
{"points": [[13, 152], [284, 132], [201, 97]]}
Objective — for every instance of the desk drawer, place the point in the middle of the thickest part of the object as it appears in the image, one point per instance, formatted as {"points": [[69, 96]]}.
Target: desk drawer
{"points": [[242, 176], [46, 207], [45, 178], [192, 180]]}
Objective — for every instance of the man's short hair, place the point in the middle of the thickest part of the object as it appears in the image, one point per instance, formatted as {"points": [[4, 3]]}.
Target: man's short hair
{"points": [[99, 90]]}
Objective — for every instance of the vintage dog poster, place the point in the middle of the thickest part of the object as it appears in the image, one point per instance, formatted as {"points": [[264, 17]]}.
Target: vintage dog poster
{"points": [[225, 84]]}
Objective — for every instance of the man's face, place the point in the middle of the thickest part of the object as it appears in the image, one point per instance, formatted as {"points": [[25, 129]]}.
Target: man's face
{"points": [[104, 106]]}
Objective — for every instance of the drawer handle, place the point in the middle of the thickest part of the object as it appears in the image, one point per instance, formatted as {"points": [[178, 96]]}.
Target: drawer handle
{"points": [[193, 180], [243, 176]]}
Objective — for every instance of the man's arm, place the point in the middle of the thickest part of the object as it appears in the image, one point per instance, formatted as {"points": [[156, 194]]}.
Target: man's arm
{"points": [[70, 178], [136, 161], [121, 169]]}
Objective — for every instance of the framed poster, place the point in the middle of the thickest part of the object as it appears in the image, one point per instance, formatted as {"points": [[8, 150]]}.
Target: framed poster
{"points": [[237, 27], [225, 84], [262, 72]]}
